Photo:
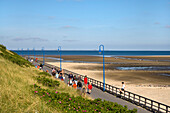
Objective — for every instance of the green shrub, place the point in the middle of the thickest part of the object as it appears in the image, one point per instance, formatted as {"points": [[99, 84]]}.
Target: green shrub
{"points": [[67, 103], [44, 73], [47, 82], [13, 57], [2, 46]]}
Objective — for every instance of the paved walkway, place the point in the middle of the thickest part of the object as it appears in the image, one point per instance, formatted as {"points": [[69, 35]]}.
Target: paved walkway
{"points": [[97, 93]]}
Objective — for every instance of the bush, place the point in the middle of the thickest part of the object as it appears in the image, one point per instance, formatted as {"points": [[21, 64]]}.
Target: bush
{"points": [[47, 82], [13, 57], [2, 46], [44, 73], [67, 103]]}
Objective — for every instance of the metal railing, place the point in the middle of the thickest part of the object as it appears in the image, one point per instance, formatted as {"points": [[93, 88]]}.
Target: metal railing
{"points": [[136, 99]]}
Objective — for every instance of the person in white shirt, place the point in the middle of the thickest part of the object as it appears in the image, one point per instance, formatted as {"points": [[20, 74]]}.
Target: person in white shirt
{"points": [[123, 88]]}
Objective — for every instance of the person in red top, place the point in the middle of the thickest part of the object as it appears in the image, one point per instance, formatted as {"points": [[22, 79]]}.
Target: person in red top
{"points": [[85, 80], [89, 88], [36, 59]]}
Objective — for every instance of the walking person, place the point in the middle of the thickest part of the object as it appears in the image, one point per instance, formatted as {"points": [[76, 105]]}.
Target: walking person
{"points": [[84, 90], [85, 82], [79, 85], [41, 66], [79, 78], [123, 88], [89, 88], [75, 85], [53, 72], [75, 79], [70, 77]]}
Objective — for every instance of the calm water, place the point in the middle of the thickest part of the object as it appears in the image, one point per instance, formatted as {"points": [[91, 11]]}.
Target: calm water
{"points": [[144, 68], [95, 53]]}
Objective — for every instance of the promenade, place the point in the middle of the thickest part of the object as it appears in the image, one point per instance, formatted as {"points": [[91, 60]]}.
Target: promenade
{"points": [[97, 93]]}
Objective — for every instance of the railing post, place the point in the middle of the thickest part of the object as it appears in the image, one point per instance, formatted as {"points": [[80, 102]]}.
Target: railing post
{"points": [[116, 91], [124, 94], [151, 105], [112, 90], [166, 109], [158, 107], [129, 95], [97, 84], [134, 98], [100, 84], [139, 100], [145, 102], [109, 88]]}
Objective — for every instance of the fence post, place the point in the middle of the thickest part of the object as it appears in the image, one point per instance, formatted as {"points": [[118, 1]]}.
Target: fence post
{"points": [[109, 88], [134, 98], [145, 102], [116, 91], [112, 90], [151, 105], [166, 109], [97, 84], [100, 85], [139, 100], [158, 107]]}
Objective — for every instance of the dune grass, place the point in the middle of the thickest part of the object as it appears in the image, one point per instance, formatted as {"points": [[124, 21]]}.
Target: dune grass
{"points": [[16, 94]]}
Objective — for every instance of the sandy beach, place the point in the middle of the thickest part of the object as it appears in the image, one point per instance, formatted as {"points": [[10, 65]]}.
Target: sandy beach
{"points": [[150, 84]]}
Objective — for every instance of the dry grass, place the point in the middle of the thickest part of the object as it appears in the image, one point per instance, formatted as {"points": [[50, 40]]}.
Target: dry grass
{"points": [[15, 94], [9, 51]]}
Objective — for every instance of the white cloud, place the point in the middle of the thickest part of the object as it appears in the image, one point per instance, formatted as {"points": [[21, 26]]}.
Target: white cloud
{"points": [[32, 39]]}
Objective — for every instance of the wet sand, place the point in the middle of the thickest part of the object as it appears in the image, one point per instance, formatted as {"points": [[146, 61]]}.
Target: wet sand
{"points": [[150, 84]]}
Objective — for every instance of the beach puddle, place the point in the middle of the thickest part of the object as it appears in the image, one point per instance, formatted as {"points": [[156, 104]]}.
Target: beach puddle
{"points": [[165, 74], [140, 59], [144, 68]]}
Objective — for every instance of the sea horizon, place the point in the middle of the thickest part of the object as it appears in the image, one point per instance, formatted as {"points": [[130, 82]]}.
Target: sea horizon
{"points": [[91, 52]]}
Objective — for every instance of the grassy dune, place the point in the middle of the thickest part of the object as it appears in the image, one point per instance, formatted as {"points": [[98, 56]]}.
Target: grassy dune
{"points": [[17, 77], [15, 94], [15, 91]]}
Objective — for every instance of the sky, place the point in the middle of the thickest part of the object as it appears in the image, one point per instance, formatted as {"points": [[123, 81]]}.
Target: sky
{"points": [[85, 24]]}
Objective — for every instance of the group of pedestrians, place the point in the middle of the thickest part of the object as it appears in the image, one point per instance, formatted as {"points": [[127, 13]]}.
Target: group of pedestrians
{"points": [[40, 66], [58, 74], [76, 82]]}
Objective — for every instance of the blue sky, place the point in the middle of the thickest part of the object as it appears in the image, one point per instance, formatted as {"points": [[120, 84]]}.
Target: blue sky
{"points": [[85, 24]]}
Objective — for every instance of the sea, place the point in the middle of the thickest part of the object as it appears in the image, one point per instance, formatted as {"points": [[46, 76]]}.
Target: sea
{"points": [[118, 54], [91, 53]]}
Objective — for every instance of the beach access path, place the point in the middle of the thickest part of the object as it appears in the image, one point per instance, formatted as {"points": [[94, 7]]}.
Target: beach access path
{"points": [[97, 93]]}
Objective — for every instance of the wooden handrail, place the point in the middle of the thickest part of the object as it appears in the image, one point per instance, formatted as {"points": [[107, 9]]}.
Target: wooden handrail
{"points": [[135, 100]]}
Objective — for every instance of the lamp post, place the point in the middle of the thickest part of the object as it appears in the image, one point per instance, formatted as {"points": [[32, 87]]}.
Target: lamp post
{"points": [[59, 50], [43, 55], [19, 52], [34, 53], [103, 66], [28, 53], [22, 52]]}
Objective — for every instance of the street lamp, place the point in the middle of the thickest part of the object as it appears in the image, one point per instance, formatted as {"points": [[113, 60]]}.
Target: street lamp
{"points": [[19, 52], [28, 53], [34, 53], [22, 52], [103, 66], [59, 50], [43, 55]]}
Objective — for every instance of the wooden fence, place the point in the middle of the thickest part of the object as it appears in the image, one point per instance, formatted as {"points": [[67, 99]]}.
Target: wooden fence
{"points": [[151, 105]]}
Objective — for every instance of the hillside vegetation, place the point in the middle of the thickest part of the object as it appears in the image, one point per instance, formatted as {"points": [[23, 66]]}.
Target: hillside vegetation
{"points": [[27, 89], [13, 57], [16, 77]]}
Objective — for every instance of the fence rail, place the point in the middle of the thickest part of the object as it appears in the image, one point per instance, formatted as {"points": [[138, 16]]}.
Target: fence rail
{"points": [[151, 105]]}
